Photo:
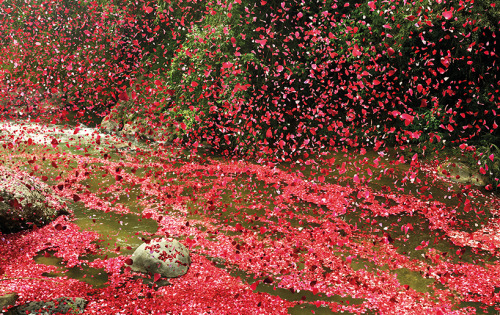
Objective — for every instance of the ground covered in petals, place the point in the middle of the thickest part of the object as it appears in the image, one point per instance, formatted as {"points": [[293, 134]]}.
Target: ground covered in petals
{"points": [[314, 156]]}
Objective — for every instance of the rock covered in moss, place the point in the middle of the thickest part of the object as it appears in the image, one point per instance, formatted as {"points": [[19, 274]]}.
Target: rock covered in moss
{"points": [[8, 299], [460, 173], [111, 124], [26, 201], [63, 305]]}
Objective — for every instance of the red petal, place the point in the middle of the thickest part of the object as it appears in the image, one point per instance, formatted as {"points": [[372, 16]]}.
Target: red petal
{"points": [[448, 14], [269, 133], [157, 277]]}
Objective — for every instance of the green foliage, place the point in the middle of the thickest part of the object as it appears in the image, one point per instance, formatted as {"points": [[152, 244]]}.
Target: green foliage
{"points": [[290, 76], [443, 72], [489, 160], [208, 78]]}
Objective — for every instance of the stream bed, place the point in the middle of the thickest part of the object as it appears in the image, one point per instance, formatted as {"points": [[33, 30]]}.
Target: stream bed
{"points": [[241, 215]]}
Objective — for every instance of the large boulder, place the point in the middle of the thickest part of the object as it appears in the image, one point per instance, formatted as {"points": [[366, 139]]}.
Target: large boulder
{"points": [[169, 258], [130, 130], [111, 124], [63, 305], [460, 173], [7, 300], [139, 129], [25, 201]]}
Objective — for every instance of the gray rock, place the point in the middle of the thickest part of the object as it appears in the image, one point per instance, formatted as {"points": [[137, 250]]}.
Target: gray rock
{"points": [[119, 115], [138, 129], [25, 200], [63, 305], [110, 124], [169, 258], [130, 131], [129, 128], [460, 173], [8, 300]]}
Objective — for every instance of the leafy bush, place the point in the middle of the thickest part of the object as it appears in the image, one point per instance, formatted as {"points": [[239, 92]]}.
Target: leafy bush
{"points": [[208, 82], [270, 77]]}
